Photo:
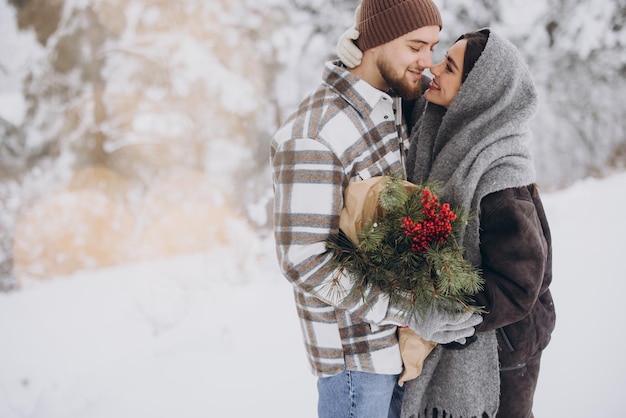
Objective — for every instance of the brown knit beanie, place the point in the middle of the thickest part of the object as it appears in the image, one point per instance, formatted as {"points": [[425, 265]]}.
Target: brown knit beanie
{"points": [[385, 20]]}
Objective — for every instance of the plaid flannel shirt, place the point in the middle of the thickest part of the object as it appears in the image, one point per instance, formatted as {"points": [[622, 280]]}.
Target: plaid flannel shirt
{"points": [[344, 131]]}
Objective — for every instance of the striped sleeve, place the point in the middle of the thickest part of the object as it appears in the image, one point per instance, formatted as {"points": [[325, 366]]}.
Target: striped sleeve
{"points": [[308, 189]]}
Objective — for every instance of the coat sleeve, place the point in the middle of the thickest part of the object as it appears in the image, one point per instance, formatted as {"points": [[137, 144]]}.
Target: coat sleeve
{"points": [[515, 256], [308, 197]]}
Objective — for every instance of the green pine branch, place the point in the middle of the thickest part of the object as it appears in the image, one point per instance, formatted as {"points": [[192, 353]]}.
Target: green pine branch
{"points": [[413, 281]]}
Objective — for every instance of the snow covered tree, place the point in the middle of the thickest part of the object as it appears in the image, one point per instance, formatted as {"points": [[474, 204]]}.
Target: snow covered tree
{"points": [[146, 90]]}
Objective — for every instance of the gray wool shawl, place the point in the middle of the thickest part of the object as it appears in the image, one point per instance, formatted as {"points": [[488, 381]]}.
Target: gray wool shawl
{"points": [[477, 146]]}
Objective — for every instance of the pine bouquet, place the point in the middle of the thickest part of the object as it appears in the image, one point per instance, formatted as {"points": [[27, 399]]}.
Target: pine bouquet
{"points": [[398, 237]]}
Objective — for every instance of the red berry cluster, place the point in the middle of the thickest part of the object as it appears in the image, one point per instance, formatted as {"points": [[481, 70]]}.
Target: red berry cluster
{"points": [[435, 227]]}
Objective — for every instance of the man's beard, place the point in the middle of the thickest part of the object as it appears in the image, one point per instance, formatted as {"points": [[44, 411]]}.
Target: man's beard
{"points": [[399, 85]]}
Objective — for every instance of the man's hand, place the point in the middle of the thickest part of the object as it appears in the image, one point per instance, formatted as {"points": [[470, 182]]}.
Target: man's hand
{"points": [[442, 326]]}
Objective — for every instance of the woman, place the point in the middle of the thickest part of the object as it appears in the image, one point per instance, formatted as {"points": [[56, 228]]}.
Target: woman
{"points": [[472, 137]]}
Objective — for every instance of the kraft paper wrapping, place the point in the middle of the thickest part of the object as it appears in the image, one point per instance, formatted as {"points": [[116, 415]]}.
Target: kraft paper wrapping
{"points": [[361, 205], [414, 350], [360, 210]]}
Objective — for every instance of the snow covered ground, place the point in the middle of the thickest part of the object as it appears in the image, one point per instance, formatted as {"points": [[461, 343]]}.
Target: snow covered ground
{"points": [[194, 337]]}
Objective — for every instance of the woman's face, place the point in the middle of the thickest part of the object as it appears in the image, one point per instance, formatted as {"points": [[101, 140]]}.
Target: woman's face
{"points": [[448, 76]]}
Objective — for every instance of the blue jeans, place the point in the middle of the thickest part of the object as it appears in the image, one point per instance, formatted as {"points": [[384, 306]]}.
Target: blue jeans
{"points": [[353, 394]]}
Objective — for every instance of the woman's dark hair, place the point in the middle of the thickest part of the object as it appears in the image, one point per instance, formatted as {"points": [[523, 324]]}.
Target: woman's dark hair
{"points": [[476, 42]]}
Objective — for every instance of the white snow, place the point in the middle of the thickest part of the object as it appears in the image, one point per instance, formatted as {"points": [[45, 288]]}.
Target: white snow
{"points": [[197, 337]]}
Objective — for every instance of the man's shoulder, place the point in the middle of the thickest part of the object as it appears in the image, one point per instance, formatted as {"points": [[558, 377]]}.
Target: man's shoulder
{"points": [[322, 107]]}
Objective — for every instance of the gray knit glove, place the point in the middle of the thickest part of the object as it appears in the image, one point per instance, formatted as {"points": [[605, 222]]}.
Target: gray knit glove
{"points": [[442, 327], [347, 51]]}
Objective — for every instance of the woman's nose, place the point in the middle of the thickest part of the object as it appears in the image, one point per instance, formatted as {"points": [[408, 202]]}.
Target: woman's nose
{"points": [[435, 69]]}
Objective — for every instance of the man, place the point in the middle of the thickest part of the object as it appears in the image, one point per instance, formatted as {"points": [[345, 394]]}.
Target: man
{"points": [[351, 129]]}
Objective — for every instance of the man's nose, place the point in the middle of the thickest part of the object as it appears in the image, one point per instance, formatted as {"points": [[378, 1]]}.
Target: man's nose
{"points": [[426, 60]]}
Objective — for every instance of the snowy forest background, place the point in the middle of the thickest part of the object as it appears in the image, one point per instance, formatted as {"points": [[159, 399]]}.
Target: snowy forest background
{"points": [[136, 130]]}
